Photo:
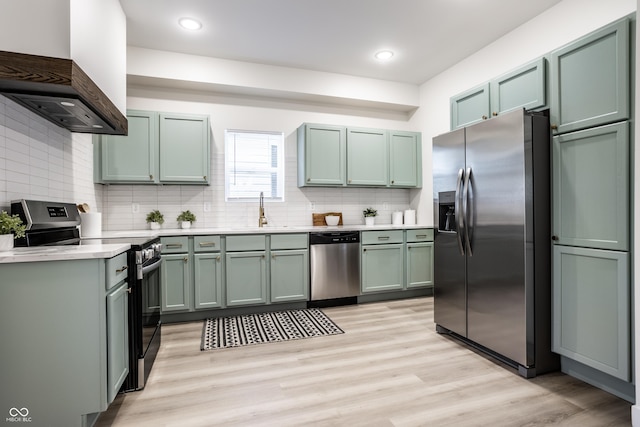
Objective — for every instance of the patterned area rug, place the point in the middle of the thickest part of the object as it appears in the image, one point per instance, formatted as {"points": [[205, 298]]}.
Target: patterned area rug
{"points": [[236, 331]]}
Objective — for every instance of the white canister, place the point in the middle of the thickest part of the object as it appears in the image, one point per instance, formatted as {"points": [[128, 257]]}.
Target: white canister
{"points": [[90, 224], [410, 217], [396, 218]]}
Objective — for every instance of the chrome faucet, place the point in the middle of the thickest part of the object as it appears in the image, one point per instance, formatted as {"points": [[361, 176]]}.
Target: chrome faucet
{"points": [[262, 220]]}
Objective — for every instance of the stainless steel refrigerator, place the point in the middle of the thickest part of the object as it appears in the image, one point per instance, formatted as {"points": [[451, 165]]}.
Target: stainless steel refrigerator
{"points": [[492, 258]]}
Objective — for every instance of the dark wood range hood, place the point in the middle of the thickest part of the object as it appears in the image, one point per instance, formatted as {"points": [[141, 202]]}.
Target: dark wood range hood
{"points": [[58, 90]]}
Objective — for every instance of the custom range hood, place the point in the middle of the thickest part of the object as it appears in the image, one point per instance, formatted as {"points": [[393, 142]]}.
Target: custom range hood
{"points": [[58, 90]]}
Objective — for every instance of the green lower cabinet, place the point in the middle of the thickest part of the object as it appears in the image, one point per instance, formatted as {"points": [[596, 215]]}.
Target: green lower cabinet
{"points": [[591, 308], [117, 339], [382, 267], [175, 282], [246, 282], [419, 265], [289, 275], [207, 280]]}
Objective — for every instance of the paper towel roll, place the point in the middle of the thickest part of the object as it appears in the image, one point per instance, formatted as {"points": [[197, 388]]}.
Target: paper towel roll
{"points": [[90, 224], [410, 217], [396, 218]]}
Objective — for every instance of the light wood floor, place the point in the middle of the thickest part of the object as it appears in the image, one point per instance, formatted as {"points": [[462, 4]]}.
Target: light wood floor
{"points": [[389, 368]]}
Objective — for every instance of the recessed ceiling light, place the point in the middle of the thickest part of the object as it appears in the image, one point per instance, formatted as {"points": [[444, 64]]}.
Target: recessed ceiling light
{"points": [[384, 55], [189, 24]]}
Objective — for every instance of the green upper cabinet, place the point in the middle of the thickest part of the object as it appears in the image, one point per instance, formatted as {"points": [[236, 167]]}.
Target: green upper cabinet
{"points": [[161, 148], [590, 80], [321, 155], [184, 148], [591, 187], [470, 107], [131, 158], [524, 87], [367, 162], [405, 159], [336, 156]]}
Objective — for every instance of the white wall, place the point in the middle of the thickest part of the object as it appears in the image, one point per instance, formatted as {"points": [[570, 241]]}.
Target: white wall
{"points": [[41, 161], [249, 114], [563, 23]]}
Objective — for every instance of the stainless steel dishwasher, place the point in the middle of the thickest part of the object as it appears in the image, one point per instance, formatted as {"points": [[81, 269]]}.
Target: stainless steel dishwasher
{"points": [[335, 265]]}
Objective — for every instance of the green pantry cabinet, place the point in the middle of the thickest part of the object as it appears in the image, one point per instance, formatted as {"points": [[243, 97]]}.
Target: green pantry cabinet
{"points": [[345, 156], [78, 356], [524, 87], [161, 148], [199, 274], [394, 260], [592, 171]]}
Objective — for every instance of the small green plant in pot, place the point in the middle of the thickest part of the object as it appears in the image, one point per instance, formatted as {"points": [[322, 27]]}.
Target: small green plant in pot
{"points": [[11, 227], [369, 216], [155, 219], [186, 218]]}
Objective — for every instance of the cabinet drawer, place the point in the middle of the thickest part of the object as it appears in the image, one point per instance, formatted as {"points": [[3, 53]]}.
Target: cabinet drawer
{"points": [[420, 235], [246, 243], [206, 243], [173, 245], [381, 237], [117, 270], [289, 241]]}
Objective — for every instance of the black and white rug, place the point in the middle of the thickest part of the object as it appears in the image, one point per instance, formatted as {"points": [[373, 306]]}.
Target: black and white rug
{"points": [[236, 331]]}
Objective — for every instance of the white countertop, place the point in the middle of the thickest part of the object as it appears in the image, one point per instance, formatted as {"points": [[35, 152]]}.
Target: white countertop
{"points": [[62, 253]]}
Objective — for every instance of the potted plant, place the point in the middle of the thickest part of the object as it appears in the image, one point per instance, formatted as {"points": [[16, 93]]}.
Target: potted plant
{"points": [[369, 216], [186, 218], [11, 227], [155, 219]]}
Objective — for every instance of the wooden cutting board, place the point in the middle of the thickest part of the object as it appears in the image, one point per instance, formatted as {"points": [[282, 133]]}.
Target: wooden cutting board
{"points": [[318, 218]]}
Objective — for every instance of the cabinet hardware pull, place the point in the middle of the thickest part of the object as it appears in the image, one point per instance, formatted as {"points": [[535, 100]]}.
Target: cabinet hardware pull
{"points": [[262, 256], [554, 127], [207, 244], [393, 181], [421, 236], [494, 114], [349, 181], [129, 290], [484, 117], [273, 256], [151, 177], [218, 258], [308, 179], [364, 250], [174, 245], [383, 237], [185, 259], [554, 238], [120, 270], [204, 177]]}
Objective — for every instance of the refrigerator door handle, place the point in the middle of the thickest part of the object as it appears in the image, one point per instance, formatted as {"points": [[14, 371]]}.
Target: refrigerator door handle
{"points": [[459, 214], [467, 207]]}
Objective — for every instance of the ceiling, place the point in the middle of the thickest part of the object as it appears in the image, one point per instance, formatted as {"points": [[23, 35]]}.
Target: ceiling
{"points": [[338, 36]]}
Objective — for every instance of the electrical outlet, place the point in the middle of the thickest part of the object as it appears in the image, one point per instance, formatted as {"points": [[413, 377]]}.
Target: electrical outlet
{"points": [[135, 208], [385, 206], [207, 207], [312, 206]]}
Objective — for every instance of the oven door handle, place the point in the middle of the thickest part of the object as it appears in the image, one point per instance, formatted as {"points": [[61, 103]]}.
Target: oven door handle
{"points": [[148, 268]]}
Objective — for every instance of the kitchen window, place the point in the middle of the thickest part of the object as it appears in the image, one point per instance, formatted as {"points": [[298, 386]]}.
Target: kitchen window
{"points": [[254, 163]]}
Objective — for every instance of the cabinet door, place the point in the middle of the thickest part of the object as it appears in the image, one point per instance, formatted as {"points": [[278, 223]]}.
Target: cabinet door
{"points": [[419, 265], [405, 159], [289, 275], [117, 339], [591, 188], [367, 162], [246, 282], [590, 80], [470, 107], [382, 267], [175, 283], [208, 280], [321, 155], [591, 315], [184, 148], [522, 88], [132, 158]]}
